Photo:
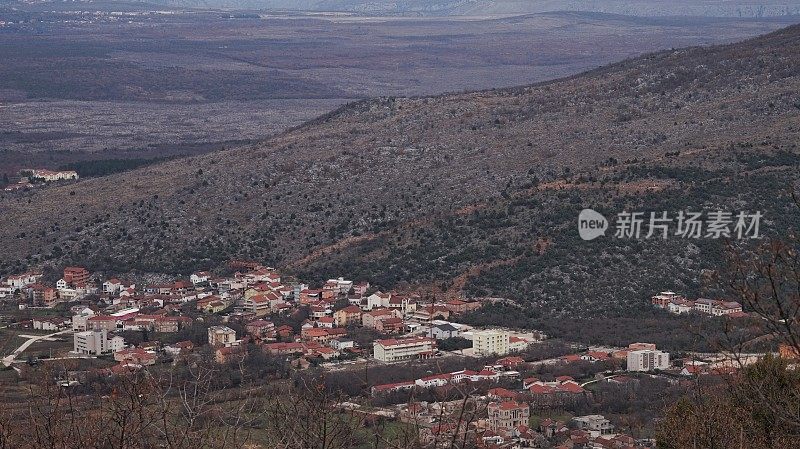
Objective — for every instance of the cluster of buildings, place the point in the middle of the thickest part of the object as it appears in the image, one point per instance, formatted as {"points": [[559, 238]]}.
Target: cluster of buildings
{"points": [[74, 285], [485, 343], [636, 357], [508, 426], [677, 304], [507, 423], [511, 407], [500, 370], [29, 176], [253, 297]]}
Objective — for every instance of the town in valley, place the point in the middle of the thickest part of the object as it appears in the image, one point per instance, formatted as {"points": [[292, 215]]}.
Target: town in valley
{"points": [[94, 325]]}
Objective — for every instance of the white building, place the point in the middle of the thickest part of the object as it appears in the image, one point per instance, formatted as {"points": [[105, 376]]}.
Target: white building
{"points": [[596, 425], [341, 344], [704, 305], [393, 350], [199, 277], [81, 319], [97, 342], [19, 281], [490, 342], [647, 360], [378, 300], [679, 306], [443, 331], [221, 336], [50, 176], [50, 324], [726, 308], [343, 286], [112, 286]]}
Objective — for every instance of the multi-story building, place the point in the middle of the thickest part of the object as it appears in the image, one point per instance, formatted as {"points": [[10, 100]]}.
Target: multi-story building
{"points": [[725, 308], [490, 342], [102, 322], [112, 286], [348, 315], [704, 305], [80, 320], [664, 298], [596, 425], [170, 324], [393, 350], [507, 415], [406, 305], [361, 288], [44, 296], [390, 325], [430, 312], [370, 319], [76, 276], [647, 360], [339, 286], [96, 342], [221, 336], [259, 304], [260, 328], [679, 306]]}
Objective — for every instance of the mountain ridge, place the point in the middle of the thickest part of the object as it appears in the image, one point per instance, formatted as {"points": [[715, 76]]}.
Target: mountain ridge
{"points": [[400, 168]]}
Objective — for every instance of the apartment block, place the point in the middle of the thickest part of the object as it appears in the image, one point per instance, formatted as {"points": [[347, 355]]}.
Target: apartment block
{"points": [[393, 350], [647, 360], [96, 342], [490, 342]]}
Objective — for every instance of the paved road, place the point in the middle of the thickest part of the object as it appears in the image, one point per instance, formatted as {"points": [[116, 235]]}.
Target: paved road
{"points": [[9, 359]]}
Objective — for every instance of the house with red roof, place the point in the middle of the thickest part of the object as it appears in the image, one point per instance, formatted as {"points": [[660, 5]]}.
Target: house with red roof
{"points": [[326, 322], [510, 362], [136, 356], [501, 394], [348, 315], [171, 324], [390, 325], [229, 354], [316, 334], [284, 348], [102, 322], [371, 318], [397, 386], [549, 394], [507, 415], [284, 331]]}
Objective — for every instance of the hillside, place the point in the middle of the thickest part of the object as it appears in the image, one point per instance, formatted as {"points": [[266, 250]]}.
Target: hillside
{"points": [[476, 190]]}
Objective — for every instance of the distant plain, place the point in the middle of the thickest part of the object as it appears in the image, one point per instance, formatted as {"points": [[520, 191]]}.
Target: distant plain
{"points": [[147, 82]]}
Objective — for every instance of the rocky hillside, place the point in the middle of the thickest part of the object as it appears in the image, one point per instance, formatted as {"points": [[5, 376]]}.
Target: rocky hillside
{"points": [[419, 189]]}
